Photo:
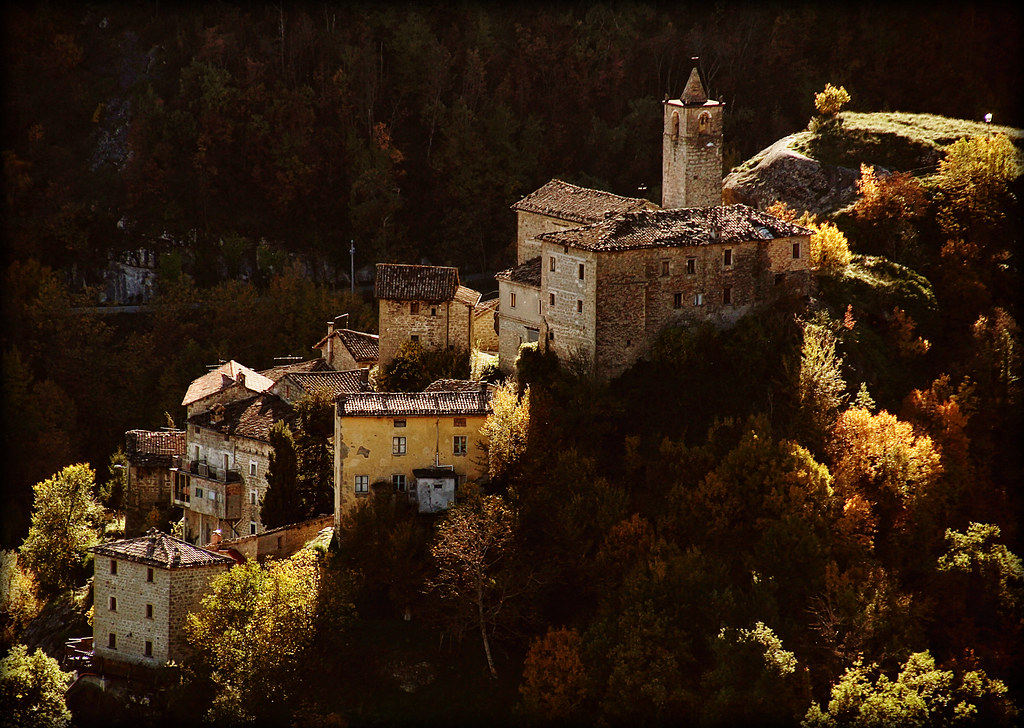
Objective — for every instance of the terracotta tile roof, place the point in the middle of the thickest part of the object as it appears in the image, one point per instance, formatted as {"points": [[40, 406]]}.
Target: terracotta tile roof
{"points": [[433, 283], [224, 376], [251, 418], [569, 202], [310, 365], [160, 550], [390, 404], [467, 296], [453, 385], [362, 346], [332, 384], [153, 449], [527, 273], [677, 228]]}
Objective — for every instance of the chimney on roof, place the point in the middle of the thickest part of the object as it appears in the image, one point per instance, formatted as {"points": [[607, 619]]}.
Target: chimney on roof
{"points": [[215, 539], [241, 378]]}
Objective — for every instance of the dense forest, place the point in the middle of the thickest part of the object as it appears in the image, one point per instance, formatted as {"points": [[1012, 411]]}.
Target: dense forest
{"points": [[812, 516]]}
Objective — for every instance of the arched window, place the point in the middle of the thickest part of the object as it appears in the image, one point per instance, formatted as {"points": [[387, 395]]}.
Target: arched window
{"points": [[674, 128], [704, 122]]}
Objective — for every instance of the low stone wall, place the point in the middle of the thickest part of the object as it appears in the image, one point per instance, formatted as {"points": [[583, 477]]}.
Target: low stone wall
{"points": [[280, 543]]}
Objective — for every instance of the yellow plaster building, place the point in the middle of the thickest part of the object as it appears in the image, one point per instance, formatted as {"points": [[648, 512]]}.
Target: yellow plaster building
{"points": [[425, 444]]}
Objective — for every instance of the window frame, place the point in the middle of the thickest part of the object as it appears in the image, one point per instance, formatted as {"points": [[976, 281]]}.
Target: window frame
{"points": [[691, 266], [582, 272], [112, 640], [148, 649], [150, 575], [460, 444], [112, 604], [399, 482], [511, 299], [362, 484], [399, 445], [551, 263], [149, 611], [797, 250], [726, 295], [414, 308], [677, 300], [727, 258], [113, 567]]}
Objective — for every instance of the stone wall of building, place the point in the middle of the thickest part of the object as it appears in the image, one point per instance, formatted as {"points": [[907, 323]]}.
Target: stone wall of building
{"points": [[692, 155], [250, 459], [529, 226], [148, 488], [188, 587], [485, 338], [519, 323], [128, 622], [435, 326], [569, 285]]}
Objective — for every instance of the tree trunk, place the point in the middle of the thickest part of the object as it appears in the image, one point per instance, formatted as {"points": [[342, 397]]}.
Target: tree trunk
{"points": [[483, 630]]}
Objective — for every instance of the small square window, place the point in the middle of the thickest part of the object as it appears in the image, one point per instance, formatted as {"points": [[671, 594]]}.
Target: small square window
{"points": [[252, 497], [199, 492], [414, 337], [459, 445], [149, 574], [727, 257], [113, 567], [459, 422], [399, 423], [113, 604], [433, 312], [551, 264], [581, 271], [698, 299], [691, 266], [664, 267], [252, 468], [252, 528], [149, 648], [112, 641], [398, 446], [579, 306], [362, 484], [677, 300], [149, 611], [414, 308], [796, 251], [398, 480]]}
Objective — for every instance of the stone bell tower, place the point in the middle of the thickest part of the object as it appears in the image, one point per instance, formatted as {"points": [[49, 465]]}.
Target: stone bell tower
{"points": [[691, 161]]}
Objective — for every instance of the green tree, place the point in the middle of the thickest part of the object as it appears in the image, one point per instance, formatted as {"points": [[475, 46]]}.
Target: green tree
{"points": [[821, 387], [63, 527], [921, 695], [314, 451], [471, 550], [32, 690], [506, 429], [281, 503], [407, 372], [113, 493], [18, 602], [973, 187], [254, 633], [754, 681]]}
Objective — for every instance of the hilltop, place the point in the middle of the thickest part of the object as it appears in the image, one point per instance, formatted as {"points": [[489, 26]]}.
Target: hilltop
{"points": [[895, 141]]}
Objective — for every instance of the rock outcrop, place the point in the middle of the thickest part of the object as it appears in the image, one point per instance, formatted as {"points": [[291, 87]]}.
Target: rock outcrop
{"points": [[781, 173]]}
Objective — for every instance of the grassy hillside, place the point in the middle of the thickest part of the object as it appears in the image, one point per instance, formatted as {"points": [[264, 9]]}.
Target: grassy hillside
{"points": [[900, 141]]}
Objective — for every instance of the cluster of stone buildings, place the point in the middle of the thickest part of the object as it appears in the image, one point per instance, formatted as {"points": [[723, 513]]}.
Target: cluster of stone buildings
{"points": [[598, 277]]}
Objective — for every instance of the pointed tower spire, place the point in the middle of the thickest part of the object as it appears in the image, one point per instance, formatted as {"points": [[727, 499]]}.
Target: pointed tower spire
{"points": [[694, 92]]}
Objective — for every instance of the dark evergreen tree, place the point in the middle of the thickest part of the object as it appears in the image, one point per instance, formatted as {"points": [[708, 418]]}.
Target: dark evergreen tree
{"points": [[281, 504]]}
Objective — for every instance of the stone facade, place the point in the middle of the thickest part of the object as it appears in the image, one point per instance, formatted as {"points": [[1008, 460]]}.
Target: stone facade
{"points": [[691, 159], [383, 437], [521, 310], [424, 304], [150, 455], [142, 602], [222, 478]]}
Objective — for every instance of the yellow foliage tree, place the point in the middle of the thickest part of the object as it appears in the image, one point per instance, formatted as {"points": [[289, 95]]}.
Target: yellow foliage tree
{"points": [[506, 428], [831, 100]]}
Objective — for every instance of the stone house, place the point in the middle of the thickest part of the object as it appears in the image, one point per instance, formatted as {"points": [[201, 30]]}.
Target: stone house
{"points": [[344, 349], [600, 276], [143, 589], [608, 290], [222, 477], [150, 455], [407, 441], [229, 382], [423, 303]]}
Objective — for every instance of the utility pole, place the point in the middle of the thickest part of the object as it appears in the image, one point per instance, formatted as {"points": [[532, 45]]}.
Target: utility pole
{"points": [[352, 255]]}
